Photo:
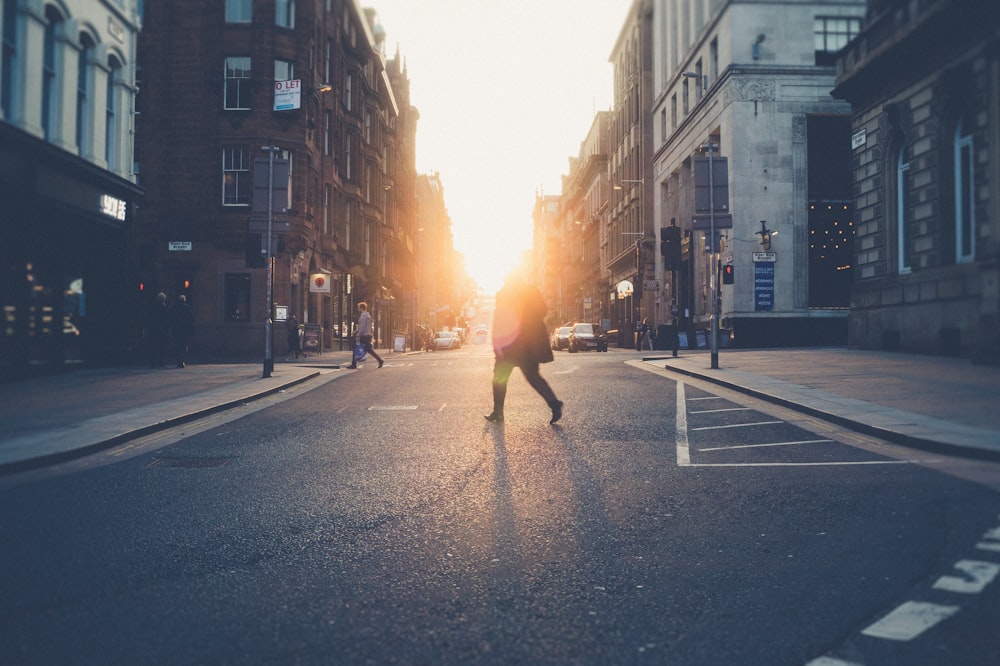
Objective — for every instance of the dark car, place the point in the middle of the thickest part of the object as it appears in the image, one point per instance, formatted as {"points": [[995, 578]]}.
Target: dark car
{"points": [[560, 338], [587, 336]]}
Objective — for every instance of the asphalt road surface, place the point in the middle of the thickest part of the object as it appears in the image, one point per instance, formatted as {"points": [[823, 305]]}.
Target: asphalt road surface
{"points": [[375, 517]]}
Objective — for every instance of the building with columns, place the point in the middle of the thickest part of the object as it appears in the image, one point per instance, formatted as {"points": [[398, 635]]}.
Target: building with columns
{"points": [[69, 193], [750, 82]]}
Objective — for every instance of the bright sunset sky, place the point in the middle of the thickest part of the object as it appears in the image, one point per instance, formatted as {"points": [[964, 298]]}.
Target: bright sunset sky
{"points": [[507, 90]]}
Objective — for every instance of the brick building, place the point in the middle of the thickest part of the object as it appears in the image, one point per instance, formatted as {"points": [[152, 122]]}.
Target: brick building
{"points": [[220, 83]]}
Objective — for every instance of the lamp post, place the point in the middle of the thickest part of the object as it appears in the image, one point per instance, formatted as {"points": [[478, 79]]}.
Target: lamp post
{"points": [[709, 148], [268, 323]]}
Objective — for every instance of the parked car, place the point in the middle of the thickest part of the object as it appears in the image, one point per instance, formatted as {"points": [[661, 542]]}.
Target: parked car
{"points": [[447, 340], [482, 331], [587, 336], [560, 337]]}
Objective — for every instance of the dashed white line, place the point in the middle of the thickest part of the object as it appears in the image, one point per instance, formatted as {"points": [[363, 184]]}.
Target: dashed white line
{"points": [[738, 425], [909, 620], [683, 453], [830, 661], [727, 409]]}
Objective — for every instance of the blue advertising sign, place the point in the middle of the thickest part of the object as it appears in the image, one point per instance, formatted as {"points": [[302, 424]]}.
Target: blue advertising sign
{"points": [[763, 286]]}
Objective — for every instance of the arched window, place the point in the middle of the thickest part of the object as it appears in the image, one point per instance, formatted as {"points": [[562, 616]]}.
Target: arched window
{"points": [[965, 201], [904, 213], [112, 131], [83, 96], [50, 78]]}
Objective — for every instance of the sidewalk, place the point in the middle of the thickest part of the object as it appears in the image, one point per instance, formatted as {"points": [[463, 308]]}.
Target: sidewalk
{"points": [[947, 405], [48, 419], [941, 404]]}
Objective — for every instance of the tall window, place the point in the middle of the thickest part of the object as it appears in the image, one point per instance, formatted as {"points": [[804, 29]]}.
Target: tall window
{"points": [[237, 89], [284, 13], [9, 56], [830, 34], [348, 81], [713, 59], [326, 210], [284, 70], [327, 60], [904, 213], [236, 181], [83, 96], [50, 88], [239, 11], [327, 132], [111, 129], [965, 201]]}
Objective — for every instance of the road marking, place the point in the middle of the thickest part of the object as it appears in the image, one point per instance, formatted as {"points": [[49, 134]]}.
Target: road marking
{"points": [[728, 409], [708, 397], [977, 576], [808, 464], [738, 425], [759, 446], [391, 408], [830, 661], [683, 452], [909, 620]]}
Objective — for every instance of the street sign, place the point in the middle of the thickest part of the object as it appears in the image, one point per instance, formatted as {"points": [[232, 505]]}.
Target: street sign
{"points": [[765, 256], [703, 222], [651, 285], [179, 246]]}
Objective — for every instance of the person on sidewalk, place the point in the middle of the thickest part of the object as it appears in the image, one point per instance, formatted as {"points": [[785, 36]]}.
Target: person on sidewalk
{"points": [[364, 333], [158, 330], [520, 340], [292, 335], [182, 327]]}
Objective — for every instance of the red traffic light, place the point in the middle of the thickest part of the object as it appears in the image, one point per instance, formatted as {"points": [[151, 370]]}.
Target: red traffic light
{"points": [[727, 274]]}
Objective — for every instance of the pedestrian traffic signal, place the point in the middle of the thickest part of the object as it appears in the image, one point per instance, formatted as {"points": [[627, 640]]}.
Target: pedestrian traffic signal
{"points": [[727, 274]]}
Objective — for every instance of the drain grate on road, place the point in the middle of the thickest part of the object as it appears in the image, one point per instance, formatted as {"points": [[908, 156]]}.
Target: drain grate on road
{"points": [[189, 463]]}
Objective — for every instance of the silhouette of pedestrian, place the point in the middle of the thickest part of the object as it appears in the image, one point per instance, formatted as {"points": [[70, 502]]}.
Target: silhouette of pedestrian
{"points": [[182, 326], [294, 343], [364, 334], [158, 330], [520, 340]]}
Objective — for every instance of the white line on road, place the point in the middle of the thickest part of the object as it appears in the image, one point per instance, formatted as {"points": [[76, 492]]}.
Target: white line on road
{"points": [[738, 425], [809, 464], [391, 408], [728, 409], [759, 446], [830, 661], [909, 620], [683, 453], [977, 576]]}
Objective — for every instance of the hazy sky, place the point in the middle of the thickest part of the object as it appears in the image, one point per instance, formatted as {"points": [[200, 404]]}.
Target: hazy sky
{"points": [[507, 90]]}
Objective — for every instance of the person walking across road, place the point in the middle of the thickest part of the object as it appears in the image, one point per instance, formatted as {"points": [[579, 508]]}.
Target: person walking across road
{"points": [[520, 340], [182, 327], [158, 330], [364, 334]]}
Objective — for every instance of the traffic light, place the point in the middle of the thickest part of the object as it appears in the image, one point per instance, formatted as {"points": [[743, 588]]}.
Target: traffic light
{"points": [[670, 245], [727, 274]]}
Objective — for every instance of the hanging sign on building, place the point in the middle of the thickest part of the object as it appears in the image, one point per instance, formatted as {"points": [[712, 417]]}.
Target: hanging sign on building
{"points": [[287, 95], [319, 283]]}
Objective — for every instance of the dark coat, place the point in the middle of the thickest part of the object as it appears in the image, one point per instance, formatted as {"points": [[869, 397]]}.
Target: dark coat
{"points": [[519, 333]]}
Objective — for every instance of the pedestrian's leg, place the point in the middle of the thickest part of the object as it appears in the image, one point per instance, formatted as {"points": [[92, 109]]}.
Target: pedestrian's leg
{"points": [[538, 383], [371, 350], [501, 375]]}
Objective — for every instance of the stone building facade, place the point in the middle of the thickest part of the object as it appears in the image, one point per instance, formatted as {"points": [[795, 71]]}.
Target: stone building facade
{"points": [[924, 81], [750, 82], [68, 192]]}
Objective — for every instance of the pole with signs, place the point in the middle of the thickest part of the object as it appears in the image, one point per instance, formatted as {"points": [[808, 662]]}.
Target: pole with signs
{"points": [[714, 278], [268, 323]]}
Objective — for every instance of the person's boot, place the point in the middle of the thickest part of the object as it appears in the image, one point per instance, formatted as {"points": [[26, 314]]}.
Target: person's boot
{"points": [[556, 411], [499, 394]]}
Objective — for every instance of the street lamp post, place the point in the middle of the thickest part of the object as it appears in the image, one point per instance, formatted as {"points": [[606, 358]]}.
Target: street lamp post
{"points": [[268, 323], [709, 148]]}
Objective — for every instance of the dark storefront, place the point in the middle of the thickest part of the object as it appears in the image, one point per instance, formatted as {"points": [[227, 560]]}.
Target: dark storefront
{"points": [[63, 239]]}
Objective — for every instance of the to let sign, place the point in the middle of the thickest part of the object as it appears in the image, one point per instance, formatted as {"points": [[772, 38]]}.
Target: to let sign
{"points": [[287, 95]]}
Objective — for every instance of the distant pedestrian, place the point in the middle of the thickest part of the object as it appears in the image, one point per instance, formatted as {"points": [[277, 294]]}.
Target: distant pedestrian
{"points": [[294, 341], [157, 330], [645, 339], [364, 334], [521, 340], [182, 327]]}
